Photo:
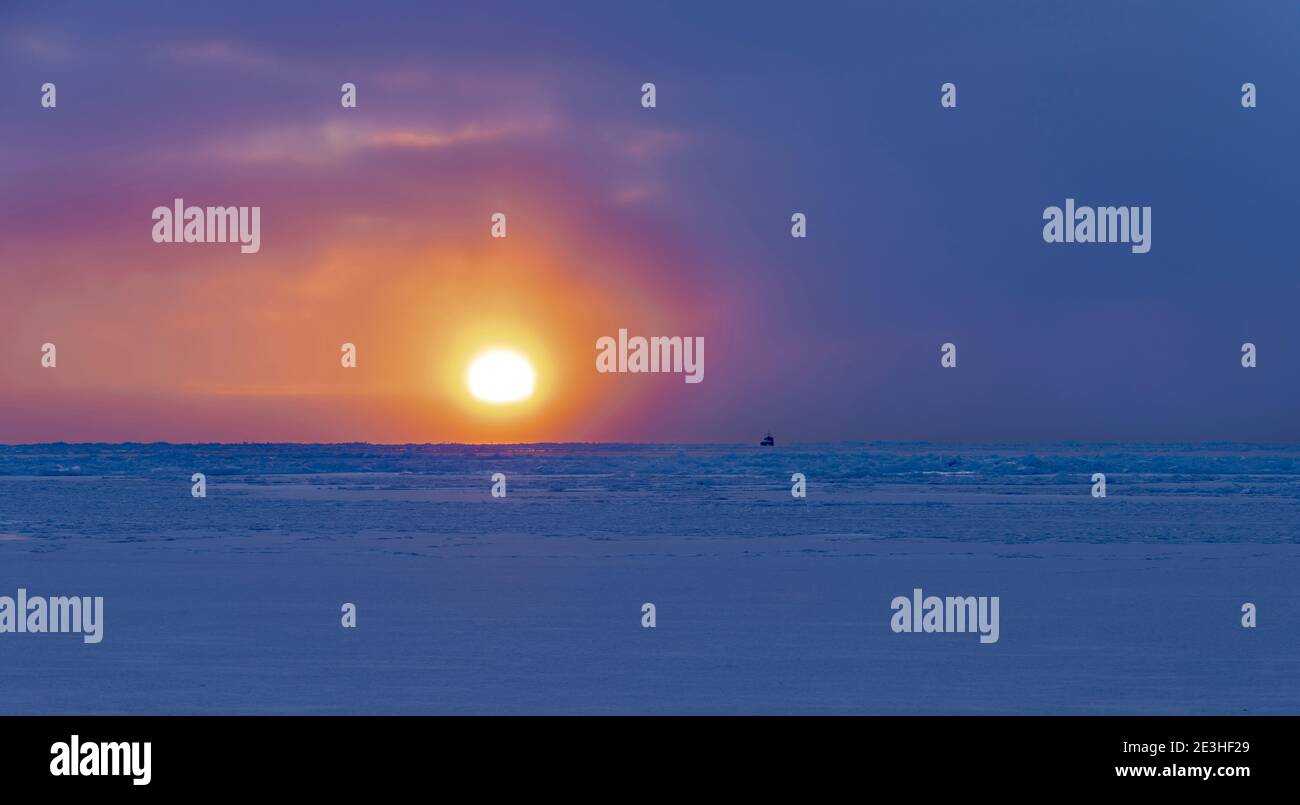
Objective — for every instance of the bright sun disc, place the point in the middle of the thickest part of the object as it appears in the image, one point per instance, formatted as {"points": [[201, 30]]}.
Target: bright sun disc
{"points": [[501, 376]]}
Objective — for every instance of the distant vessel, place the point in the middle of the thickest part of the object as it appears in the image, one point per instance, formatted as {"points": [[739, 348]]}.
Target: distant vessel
{"points": [[768, 441]]}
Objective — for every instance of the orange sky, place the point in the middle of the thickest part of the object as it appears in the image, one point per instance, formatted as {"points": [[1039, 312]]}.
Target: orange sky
{"points": [[375, 231], [251, 343]]}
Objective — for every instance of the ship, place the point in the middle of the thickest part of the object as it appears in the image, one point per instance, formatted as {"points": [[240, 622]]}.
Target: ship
{"points": [[768, 441]]}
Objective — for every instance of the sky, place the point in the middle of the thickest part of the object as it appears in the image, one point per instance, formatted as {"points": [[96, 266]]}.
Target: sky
{"points": [[924, 223]]}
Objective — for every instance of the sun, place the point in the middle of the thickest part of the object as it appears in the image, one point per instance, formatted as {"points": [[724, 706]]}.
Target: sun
{"points": [[499, 376]]}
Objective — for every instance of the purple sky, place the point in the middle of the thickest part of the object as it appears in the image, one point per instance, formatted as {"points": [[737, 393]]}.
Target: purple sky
{"points": [[924, 223]]}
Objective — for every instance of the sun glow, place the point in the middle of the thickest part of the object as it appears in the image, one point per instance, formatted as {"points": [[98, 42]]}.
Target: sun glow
{"points": [[500, 376]]}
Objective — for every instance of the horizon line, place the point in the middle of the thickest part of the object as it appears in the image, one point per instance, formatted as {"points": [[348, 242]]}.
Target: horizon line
{"points": [[989, 443]]}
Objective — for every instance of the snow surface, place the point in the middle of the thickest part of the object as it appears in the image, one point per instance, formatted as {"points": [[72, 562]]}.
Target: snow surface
{"points": [[766, 604]]}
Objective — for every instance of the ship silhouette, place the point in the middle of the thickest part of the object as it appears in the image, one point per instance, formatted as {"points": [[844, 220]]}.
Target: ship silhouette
{"points": [[768, 441]]}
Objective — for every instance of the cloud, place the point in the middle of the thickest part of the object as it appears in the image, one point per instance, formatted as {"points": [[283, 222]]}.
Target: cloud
{"points": [[217, 53], [469, 133], [46, 48], [633, 194], [647, 144], [335, 140]]}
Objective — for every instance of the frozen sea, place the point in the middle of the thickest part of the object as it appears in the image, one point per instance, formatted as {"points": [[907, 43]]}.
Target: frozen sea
{"points": [[765, 603]]}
